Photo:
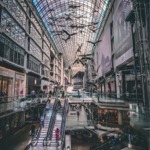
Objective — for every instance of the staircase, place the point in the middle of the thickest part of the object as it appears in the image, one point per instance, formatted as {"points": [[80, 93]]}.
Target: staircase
{"points": [[56, 125]]}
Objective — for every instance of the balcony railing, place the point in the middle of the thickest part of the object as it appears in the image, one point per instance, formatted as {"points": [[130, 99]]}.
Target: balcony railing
{"points": [[20, 103]]}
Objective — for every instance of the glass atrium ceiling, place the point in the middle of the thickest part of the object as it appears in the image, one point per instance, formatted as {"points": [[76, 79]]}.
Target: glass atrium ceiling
{"points": [[72, 24]]}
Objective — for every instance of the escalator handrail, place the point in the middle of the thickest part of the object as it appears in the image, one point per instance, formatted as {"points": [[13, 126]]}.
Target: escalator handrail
{"points": [[64, 114], [37, 134], [52, 120], [91, 131]]}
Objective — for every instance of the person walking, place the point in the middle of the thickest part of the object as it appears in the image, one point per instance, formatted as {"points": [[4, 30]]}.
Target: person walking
{"points": [[78, 114], [33, 130], [48, 106], [59, 104], [33, 94], [42, 121]]}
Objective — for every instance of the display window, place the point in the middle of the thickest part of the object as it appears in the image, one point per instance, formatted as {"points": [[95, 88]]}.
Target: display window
{"points": [[5, 89], [19, 87]]}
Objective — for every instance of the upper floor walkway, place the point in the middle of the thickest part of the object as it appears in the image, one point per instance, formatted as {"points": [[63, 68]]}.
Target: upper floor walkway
{"points": [[138, 114]]}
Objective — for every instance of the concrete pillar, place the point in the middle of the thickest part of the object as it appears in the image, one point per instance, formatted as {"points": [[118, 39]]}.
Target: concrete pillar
{"points": [[62, 71], [119, 117], [118, 84]]}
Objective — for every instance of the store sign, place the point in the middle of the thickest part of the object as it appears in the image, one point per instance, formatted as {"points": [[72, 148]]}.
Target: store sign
{"points": [[7, 73], [20, 77]]}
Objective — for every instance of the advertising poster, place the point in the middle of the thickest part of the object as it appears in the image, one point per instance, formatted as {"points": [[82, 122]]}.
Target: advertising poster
{"points": [[122, 30], [102, 58]]}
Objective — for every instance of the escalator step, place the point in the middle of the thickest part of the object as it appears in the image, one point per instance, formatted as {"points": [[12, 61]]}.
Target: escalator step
{"points": [[53, 144]]}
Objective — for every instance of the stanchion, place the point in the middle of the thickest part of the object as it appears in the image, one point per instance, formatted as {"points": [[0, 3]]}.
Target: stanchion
{"points": [[48, 142], [44, 142], [59, 145], [34, 142]]}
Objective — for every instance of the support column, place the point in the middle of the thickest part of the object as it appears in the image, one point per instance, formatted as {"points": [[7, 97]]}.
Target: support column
{"points": [[119, 117], [62, 72], [118, 85]]}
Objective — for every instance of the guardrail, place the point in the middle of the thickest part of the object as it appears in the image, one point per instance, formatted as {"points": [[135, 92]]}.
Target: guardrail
{"points": [[82, 94], [141, 112], [112, 141], [19, 103], [36, 137]]}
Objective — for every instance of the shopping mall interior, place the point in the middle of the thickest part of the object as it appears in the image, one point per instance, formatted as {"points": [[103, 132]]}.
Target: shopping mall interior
{"points": [[74, 74]]}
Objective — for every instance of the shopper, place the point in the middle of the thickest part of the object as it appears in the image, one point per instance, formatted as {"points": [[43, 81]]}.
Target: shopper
{"points": [[42, 121], [57, 132], [78, 114], [33, 130]]}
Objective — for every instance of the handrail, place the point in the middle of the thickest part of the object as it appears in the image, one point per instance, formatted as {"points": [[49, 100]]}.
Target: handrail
{"points": [[107, 144], [51, 125], [28, 146], [37, 134], [34, 140], [36, 137], [64, 114], [91, 131], [52, 120], [20, 102]]}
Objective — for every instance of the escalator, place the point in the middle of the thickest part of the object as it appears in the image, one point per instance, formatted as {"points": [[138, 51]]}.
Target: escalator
{"points": [[45, 129], [57, 124], [37, 140], [46, 136]]}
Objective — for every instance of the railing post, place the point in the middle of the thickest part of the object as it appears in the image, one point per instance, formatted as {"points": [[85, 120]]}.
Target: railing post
{"points": [[48, 142], [44, 142]]}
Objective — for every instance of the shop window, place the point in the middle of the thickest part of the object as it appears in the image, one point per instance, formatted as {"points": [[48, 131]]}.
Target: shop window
{"points": [[7, 52], [1, 49], [19, 59], [11, 51], [0, 85], [16, 87], [16, 57], [5, 89], [4, 86], [10, 83], [33, 64]]}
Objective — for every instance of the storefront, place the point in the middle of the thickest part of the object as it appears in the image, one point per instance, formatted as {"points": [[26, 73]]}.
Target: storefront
{"points": [[110, 89], [6, 84], [130, 88], [33, 83], [12, 84], [45, 85], [20, 83], [101, 83]]}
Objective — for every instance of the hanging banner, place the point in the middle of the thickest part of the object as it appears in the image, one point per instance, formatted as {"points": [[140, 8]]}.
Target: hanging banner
{"points": [[102, 56], [122, 31]]}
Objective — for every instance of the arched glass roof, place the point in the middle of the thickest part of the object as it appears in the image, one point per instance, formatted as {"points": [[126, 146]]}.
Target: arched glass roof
{"points": [[71, 23]]}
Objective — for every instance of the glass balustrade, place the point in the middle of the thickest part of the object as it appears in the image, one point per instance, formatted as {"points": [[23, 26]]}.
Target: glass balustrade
{"points": [[17, 104]]}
